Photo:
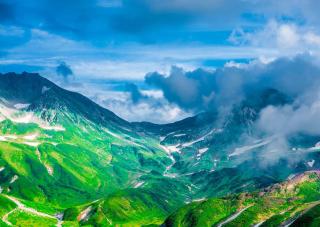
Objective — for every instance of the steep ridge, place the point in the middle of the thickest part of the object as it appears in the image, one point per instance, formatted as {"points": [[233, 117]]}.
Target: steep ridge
{"points": [[40, 95]]}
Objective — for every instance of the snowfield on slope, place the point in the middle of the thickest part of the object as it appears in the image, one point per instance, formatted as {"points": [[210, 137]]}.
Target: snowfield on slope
{"points": [[17, 116]]}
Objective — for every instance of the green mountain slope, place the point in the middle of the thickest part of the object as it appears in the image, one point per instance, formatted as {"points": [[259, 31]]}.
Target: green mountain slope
{"points": [[294, 201], [59, 149], [66, 160]]}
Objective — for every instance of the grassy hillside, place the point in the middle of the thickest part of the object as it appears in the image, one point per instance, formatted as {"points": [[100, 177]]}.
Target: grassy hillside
{"points": [[66, 160], [294, 200]]}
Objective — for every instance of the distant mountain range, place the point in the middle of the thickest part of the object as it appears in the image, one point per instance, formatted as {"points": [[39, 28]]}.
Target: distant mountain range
{"points": [[66, 161]]}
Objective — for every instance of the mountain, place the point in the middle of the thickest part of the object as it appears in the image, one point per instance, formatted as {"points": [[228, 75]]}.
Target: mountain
{"points": [[52, 102], [294, 202], [64, 160], [219, 154], [60, 149]]}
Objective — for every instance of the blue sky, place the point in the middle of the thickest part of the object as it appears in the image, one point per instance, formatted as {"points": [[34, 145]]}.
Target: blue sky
{"points": [[108, 42]]}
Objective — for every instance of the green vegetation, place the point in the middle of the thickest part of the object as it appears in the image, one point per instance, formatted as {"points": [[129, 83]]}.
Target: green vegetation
{"points": [[310, 218], [272, 206], [64, 157], [19, 218], [131, 207]]}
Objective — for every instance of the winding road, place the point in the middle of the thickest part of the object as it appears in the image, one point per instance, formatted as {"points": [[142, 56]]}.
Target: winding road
{"points": [[22, 207], [232, 217]]}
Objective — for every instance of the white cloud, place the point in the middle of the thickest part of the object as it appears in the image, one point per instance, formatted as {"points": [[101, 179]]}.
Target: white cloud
{"points": [[153, 109], [289, 120], [312, 38], [145, 111], [287, 38]]}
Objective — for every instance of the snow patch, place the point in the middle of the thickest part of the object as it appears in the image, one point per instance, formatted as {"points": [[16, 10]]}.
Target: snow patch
{"points": [[13, 137], [13, 179], [49, 169], [311, 163], [243, 149], [45, 89], [128, 141], [84, 215], [203, 150], [138, 184], [25, 117], [189, 188], [57, 128], [31, 136], [162, 138], [199, 200], [21, 106], [170, 149], [32, 144], [170, 175], [215, 163], [188, 144], [291, 176]]}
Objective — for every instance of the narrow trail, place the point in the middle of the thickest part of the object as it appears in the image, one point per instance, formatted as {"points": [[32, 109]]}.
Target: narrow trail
{"points": [[100, 207], [5, 217], [234, 216], [22, 207], [259, 224]]}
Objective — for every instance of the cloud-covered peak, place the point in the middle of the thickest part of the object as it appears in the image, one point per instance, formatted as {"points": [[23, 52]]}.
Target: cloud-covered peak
{"points": [[203, 89]]}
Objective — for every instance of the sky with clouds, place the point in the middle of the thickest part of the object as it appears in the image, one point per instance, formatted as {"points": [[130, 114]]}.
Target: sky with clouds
{"points": [[159, 60]]}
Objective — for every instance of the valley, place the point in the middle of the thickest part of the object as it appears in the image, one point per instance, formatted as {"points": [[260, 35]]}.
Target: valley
{"points": [[66, 161]]}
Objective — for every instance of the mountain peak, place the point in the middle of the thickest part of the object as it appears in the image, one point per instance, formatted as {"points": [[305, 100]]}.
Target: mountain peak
{"points": [[43, 97], [24, 87]]}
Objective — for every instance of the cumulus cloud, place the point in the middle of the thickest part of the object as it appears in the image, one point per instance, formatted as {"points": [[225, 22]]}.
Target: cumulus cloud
{"points": [[115, 96], [285, 122], [202, 89], [64, 70], [151, 110], [187, 89], [302, 116]]}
